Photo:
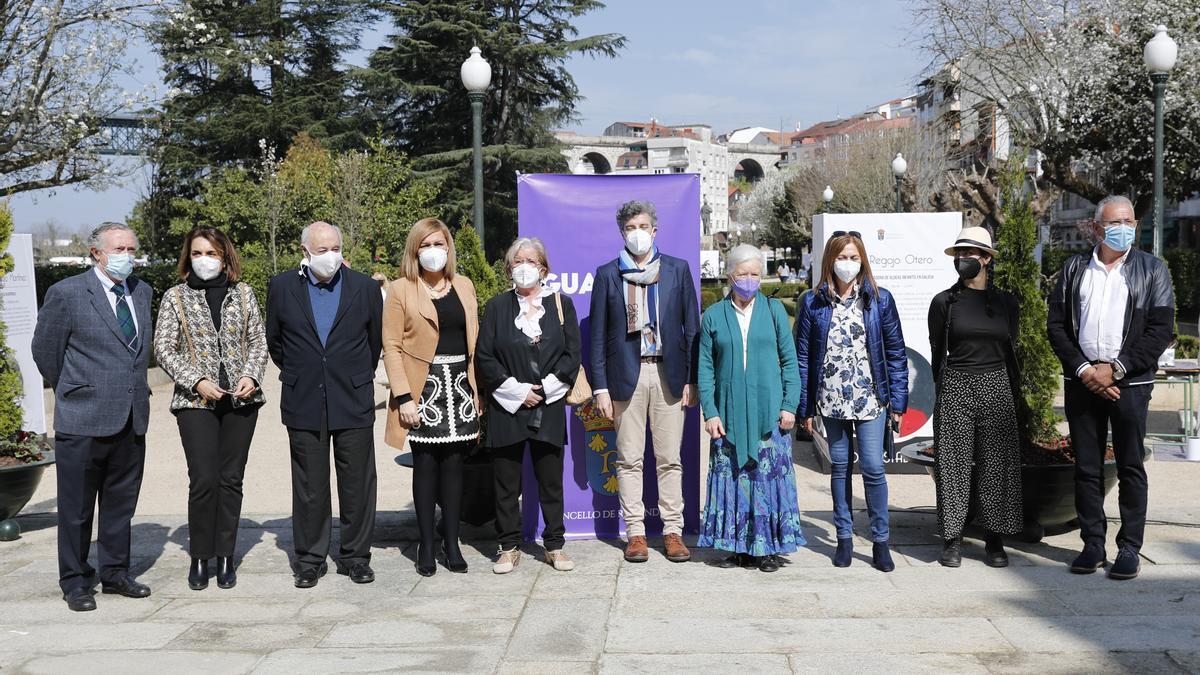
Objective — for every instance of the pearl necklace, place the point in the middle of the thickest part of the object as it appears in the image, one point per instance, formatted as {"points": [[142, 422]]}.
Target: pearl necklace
{"points": [[434, 292]]}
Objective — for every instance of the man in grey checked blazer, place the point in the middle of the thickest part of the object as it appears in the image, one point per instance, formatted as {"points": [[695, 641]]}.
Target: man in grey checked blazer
{"points": [[92, 345]]}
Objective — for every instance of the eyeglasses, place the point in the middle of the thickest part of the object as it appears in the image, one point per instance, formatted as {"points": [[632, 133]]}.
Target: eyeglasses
{"points": [[1114, 223], [852, 233]]}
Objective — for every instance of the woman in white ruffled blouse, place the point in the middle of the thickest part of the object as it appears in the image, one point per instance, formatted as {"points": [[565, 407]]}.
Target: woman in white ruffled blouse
{"points": [[526, 359]]}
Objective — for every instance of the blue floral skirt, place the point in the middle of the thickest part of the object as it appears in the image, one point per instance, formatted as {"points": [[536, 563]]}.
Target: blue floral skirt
{"points": [[752, 510]]}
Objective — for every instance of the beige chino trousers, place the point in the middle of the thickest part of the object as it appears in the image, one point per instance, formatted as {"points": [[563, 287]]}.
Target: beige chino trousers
{"points": [[652, 400]]}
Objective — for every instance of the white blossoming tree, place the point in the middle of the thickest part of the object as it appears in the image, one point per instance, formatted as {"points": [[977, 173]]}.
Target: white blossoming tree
{"points": [[60, 68], [1067, 78]]}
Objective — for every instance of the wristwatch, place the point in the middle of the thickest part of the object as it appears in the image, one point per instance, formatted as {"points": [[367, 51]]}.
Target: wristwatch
{"points": [[1118, 371]]}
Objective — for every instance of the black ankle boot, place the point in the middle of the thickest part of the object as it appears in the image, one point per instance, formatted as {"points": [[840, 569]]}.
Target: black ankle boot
{"points": [[951, 553], [198, 574], [994, 548], [226, 572]]}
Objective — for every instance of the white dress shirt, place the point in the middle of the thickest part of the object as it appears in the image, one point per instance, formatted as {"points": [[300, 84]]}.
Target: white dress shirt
{"points": [[511, 393], [743, 319], [1103, 298], [112, 297]]}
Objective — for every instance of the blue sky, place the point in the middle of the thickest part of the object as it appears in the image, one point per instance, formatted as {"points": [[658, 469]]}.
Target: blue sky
{"points": [[728, 64]]}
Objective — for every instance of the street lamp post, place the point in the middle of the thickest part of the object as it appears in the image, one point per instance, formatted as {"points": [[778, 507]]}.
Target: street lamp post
{"points": [[754, 233], [899, 166], [477, 77], [1159, 56], [827, 195]]}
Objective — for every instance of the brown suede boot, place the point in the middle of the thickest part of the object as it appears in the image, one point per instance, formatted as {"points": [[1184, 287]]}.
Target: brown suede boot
{"points": [[637, 551], [676, 551]]}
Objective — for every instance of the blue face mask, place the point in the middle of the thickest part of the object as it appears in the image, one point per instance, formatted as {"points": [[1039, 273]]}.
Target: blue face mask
{"points": [[119, 266], [1119, 237]]}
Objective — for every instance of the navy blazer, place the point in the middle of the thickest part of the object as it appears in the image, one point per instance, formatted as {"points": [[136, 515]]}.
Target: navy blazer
{"points": [[339, 375], [885, 347], [80, 350], [616, 355]]}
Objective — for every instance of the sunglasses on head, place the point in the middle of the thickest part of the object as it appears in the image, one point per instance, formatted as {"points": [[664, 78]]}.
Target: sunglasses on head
{"points": [[852, 233]]}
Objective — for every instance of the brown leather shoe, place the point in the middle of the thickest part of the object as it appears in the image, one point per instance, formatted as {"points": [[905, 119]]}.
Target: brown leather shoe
{"points": [[676, 551], [637, 551]]}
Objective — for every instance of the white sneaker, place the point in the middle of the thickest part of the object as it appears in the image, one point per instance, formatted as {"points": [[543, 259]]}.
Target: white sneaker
{"points": [[507, 561], [560, 560]]}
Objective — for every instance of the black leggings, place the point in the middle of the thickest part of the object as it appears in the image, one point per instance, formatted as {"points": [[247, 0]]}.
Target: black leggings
{"points": [[438, 480]]}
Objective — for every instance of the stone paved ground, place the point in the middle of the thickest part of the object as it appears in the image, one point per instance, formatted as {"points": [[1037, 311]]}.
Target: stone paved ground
{"points": [[608, 615]]}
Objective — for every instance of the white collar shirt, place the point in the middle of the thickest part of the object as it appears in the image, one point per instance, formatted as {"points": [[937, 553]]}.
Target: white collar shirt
{"points": [[1103, 299]]}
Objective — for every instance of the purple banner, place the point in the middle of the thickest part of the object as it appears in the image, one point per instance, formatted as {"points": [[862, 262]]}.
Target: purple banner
{"points": [[575, 216]]}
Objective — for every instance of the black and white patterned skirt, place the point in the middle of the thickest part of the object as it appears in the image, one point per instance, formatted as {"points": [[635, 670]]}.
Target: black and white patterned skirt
{"points": [[447, 404]]}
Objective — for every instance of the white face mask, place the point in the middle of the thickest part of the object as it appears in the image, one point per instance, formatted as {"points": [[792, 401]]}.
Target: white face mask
{"points": [[846, 270], [325, 265], [639, 242], [526, 275], [433, 259], [206, 267]]}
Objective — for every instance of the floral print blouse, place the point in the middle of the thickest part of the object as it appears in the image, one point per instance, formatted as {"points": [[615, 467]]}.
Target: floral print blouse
{"points": [[847, 389]]}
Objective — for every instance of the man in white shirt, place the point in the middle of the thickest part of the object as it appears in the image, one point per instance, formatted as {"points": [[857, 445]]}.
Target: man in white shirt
{"points": [[1111, 315]]}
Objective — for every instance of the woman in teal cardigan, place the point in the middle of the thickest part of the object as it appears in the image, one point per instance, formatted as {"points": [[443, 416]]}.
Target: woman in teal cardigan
{"points": [[749, 388]]}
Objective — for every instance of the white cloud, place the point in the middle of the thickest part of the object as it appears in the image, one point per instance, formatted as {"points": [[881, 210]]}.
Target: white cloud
{"points": [[699, 56]]}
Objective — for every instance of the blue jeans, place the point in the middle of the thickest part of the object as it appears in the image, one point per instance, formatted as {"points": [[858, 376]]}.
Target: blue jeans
{"points": [[869, 437]]}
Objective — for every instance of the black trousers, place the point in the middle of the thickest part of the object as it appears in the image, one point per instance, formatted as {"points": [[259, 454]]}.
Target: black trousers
{"points": [[217, 445], [354, 461], [548, 469], [1089, 416], [87, 468]]}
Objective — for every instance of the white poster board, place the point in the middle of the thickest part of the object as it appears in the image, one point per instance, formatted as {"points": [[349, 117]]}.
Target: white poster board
{"points": [[20, 318], [906, 252]]}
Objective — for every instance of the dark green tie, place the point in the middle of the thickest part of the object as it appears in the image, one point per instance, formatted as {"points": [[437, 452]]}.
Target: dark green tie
{"points": [[125, 318]]}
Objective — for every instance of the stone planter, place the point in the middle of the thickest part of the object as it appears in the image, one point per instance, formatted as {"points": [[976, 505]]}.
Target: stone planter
{"points": [[17, 485], [1048, 491]]}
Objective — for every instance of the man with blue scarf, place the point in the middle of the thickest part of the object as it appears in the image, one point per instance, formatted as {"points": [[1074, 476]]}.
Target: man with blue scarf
{"points": [[644, 323], [1111, 315]]}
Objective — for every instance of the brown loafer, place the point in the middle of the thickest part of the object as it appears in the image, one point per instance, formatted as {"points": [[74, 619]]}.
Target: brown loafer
{"points": [[637, 551], [676, 551]]}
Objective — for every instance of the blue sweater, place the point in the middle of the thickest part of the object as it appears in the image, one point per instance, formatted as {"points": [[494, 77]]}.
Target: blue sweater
{"points": [[325, 297]]}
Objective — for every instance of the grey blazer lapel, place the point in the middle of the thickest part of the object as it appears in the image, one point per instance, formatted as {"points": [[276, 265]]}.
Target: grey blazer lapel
{"points": [[105, 310], [300, 291], [350, 291]]}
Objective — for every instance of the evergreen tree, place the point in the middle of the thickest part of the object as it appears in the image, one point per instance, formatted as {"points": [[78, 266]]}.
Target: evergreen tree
{"points": [[412, 88], [244, 71], [1018, 272]]}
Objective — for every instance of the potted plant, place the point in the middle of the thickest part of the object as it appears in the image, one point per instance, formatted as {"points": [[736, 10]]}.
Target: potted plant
{"points": [[24, 455], [1048, 463]]}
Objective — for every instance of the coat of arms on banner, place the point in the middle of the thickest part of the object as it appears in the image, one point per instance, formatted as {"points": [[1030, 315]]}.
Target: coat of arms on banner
{"points": [[601, 450]]}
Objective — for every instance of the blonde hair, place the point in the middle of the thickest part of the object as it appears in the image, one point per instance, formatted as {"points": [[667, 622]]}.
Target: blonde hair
{"points": [[525, 242], [410, 267]]}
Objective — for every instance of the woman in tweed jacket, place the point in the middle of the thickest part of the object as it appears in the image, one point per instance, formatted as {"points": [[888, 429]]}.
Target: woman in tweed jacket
{"points": [[210, 340]]}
